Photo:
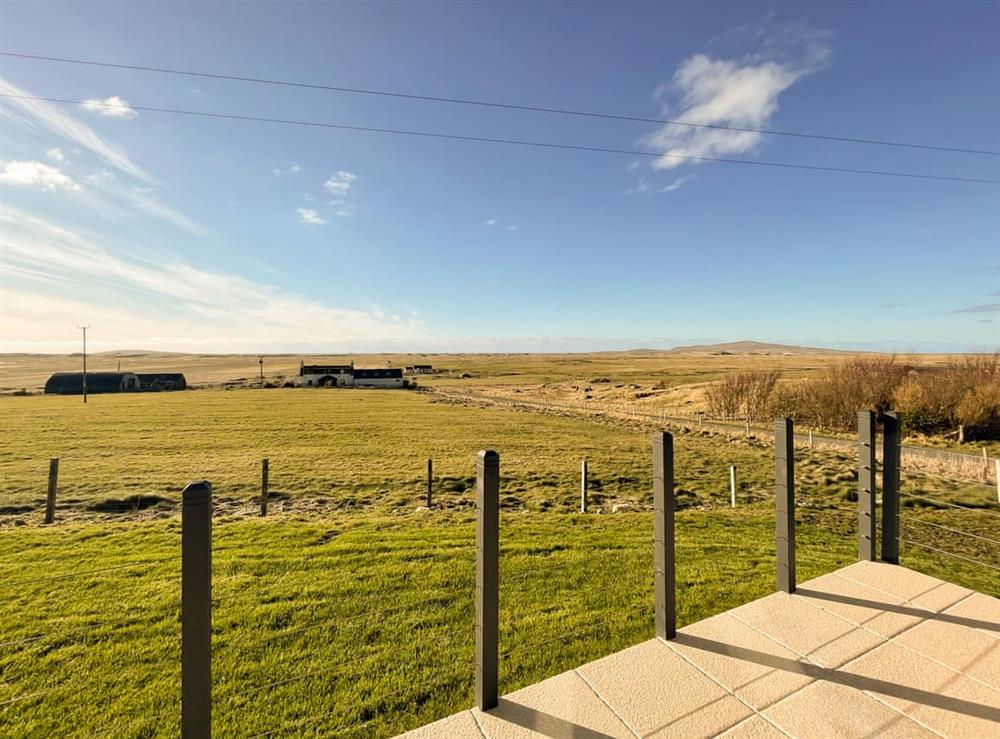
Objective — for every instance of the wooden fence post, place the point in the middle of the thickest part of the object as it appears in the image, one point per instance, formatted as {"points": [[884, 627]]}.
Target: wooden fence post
{"points": [[866, 485], [732, 485], [487, 578], [891, 449], [664, 577], [430, 483], [583, 485], [264, 484], [784, 502], [196, 611], [50, 499]]}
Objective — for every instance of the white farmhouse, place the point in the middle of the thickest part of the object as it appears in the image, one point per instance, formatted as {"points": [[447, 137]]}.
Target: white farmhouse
{"points": [[326, 375], [346, 375]]}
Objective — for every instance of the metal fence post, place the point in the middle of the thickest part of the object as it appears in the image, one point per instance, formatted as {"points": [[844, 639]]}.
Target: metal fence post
{"points": [[264, 484], [732, 485], [784, 502], [663, 535], [891, 450], [487, 578], [430, 482], [583, 485], [196, 611], [866, 485], [50, 499]]}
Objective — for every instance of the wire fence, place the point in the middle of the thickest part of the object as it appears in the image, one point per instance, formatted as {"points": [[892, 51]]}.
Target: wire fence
{"points": [[352, 627], [965, 467]]}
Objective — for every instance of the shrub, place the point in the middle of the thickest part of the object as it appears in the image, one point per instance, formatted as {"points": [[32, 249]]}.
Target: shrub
{"points": [[745, 394]]}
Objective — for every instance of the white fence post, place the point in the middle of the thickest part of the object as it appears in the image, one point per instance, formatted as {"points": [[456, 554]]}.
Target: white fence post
{"points": [[732, 484]]}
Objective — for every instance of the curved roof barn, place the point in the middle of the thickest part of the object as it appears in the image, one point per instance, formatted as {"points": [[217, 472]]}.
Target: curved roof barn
{"points": [[71, 383]]}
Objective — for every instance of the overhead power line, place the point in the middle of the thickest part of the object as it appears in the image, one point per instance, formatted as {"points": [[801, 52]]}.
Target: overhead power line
{"points": [[505, 106], [515, 142]]}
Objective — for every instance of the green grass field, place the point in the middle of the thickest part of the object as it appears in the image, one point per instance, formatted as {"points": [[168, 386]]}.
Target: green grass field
{"points": [[348, 612]]}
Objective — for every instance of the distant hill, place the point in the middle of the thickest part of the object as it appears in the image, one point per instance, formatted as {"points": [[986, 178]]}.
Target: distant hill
{"points": [[752, 347]]}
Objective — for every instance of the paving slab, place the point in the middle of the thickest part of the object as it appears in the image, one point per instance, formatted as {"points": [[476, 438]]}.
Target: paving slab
{"points": [[823, 637], [930, 692], [754, 727], [886, 615], [825, 709], [650, 687], [891, 579], [560, 706], [755, 668], [944, 595], [969, 651], [979, 611]]}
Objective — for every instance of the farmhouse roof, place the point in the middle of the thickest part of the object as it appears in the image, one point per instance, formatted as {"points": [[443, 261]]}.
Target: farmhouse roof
{"points": [[381, 372], [326, 369]]}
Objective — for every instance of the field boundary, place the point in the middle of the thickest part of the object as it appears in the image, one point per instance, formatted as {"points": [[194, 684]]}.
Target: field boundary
{"points": [[959, 466]]}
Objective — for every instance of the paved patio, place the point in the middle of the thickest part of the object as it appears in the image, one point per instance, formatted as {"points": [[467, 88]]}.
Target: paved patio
{"points": [[872, 650]]}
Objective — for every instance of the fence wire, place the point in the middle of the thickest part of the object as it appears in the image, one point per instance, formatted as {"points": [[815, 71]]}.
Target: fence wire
{"points": [[949, 554]]}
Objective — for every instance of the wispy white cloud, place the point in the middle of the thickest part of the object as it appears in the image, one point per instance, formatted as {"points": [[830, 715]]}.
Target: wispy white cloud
{"points": [[647, 187], [340, 182], [343, 208], [110, 107], [292, 168], [339, 185], [512, 227], [741, 92], [161, 302], [36, 175], [310, 217], [982, 308], [120, 200], [677, 184], [490, 222], [55, 154], [45, 115]]}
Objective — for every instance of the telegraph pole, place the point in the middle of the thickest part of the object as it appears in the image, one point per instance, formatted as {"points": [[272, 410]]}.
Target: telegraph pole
{"points": [[84, 329], [260, 361]]}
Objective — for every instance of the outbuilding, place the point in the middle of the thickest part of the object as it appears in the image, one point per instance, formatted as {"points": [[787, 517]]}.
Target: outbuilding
{"points": [[71, 383], [162, 381], [391, 377]]}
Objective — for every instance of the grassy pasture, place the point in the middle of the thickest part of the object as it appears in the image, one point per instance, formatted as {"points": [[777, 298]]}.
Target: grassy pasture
{"points": [[356, 605], [341, 449]]}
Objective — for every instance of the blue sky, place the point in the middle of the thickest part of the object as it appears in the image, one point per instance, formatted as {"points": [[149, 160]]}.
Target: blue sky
{"points": [[183, 233]]}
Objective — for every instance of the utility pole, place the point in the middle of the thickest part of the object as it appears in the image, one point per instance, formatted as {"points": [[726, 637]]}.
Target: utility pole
{"points": [[84, 329], [260, 361]]}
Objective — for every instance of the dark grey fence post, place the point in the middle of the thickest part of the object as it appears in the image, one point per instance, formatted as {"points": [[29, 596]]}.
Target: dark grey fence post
{"points": [[196, 611], [50, 498], [866, 485], [264, 485], [430, 483], [583, 485], [487, 578], [663, 536], [784, 502], [891, 453]]}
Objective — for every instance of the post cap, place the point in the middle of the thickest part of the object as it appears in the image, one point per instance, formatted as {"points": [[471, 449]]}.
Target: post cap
{"points": [[488, 457], [197, 491]]}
